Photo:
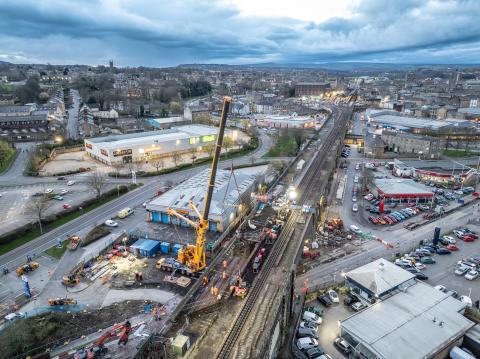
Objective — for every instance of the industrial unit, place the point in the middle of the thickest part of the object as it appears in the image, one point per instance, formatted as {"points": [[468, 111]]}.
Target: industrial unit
{"points": [[409, 319], [231, 191], [402, 189], [147, 145]]}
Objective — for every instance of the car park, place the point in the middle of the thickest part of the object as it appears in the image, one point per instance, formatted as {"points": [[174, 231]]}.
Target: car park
{"points": [[447, 240], [471, 275], [333, 296], [342, 344]]}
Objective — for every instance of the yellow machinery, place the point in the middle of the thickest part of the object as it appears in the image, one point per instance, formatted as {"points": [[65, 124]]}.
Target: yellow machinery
{"points": [[193, 256]]}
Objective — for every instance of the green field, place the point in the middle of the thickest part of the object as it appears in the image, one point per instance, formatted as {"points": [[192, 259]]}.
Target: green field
{"points": [[57, 252], [9, 156], [459, 153]]}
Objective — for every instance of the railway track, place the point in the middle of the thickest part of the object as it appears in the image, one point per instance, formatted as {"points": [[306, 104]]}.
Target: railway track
{"points": [[310, 183]]}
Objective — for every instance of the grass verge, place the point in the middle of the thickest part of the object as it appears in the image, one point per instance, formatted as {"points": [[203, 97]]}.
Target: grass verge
{"points": [[35, 232], [5, 163], [57, 252], [459, 153]]}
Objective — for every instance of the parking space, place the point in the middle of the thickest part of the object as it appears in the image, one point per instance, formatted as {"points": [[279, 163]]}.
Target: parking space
{"points": [[327, 332]]}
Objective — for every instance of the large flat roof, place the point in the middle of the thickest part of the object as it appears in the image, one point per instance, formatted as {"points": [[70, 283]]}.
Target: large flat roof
{"points": [[398, 187], [172, 134], [379, 276], [225, 193], [414, 323]]}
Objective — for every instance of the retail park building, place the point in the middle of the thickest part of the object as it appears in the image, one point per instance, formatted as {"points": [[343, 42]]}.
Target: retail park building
{"points": [[144, 146]]}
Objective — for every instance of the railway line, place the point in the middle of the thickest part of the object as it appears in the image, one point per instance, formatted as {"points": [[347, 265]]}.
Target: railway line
{"points": [[310, 184]]}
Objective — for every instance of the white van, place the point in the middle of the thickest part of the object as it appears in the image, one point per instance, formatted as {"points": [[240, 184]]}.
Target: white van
{"points": [[311, 317], [306, 343]]}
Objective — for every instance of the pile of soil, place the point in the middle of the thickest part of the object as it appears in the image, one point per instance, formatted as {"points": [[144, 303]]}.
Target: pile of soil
{"points": [[34, 335]]}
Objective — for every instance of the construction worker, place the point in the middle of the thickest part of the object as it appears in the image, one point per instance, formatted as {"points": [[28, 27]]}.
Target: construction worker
{"points": [[224, 275], [127, 328], [205, 281], [225, 264]]}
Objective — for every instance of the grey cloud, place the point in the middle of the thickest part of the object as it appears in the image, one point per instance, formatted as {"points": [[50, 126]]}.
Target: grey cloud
{"points": [[159, 32]]}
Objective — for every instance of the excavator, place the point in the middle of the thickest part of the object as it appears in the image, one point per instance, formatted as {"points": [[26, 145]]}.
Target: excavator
{"points": [[193, 255]]}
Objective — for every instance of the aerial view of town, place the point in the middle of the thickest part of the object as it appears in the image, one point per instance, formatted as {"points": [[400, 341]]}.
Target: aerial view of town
{"points": [[240, 179]]}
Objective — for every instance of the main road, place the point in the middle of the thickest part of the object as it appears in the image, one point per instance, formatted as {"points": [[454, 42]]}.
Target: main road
{"points": [[106, 211]]}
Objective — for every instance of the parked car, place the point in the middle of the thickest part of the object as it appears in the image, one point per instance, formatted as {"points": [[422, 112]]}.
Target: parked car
{"points": [[333, 296], [420, 266], [358, 306], [61, 178], [312, 317], [443, 251], [355, 229], [452, 293], [447, 240], [461, 270], [355, 207], [315, 310], [315, 353], [48, 190], [325, 300], [64, 191], [71, 183], [58, 197], [452, 247], [306, 343], [474, 236], [67, 206], [458, 233], [471, 275], [421, 276], [343, 345], [350, 299], [441, 288], [468, 238], [303, 332]]}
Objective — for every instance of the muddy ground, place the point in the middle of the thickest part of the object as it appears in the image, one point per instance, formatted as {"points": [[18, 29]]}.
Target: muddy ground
{"points": [[34, 335]]}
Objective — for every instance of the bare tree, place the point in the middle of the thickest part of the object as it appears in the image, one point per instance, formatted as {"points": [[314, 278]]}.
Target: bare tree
{"points": [[37, 207], [117, 167], [227, 143], [193, 152], [157, 163], [176, 158], [97, 182]]}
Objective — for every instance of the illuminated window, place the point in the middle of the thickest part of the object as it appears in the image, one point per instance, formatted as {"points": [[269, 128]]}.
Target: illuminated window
{"points": [[208, 138]]}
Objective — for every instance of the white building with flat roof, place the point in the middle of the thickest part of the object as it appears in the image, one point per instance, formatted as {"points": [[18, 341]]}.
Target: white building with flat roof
{"points": [[143, 146], [410, 319]]}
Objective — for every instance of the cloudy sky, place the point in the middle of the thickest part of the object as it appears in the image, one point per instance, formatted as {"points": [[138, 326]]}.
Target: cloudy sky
{"points": [[166, 33]]}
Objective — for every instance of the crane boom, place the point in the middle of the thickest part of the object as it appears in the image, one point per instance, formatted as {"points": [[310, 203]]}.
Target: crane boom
{"points": [[194, 255]]}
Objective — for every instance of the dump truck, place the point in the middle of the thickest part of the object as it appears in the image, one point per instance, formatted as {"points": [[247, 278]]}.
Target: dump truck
{"points": [[26, 268], [74, 242]]}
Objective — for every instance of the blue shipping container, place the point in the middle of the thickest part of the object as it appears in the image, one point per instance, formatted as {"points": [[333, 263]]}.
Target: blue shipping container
{"points": [[165, 247], [176, 248]]}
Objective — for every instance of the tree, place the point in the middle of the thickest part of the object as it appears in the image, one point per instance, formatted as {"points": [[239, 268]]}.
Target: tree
{"points": [[278, 165], [175, 107], [5, 150], [97, 182], [176, 158], [193, 152], [157, 163], [209, 148], [30, 91], [37, 207], [227, 143]]}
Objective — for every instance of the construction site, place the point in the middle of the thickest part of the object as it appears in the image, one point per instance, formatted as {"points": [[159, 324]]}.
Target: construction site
{"points": [[196, 298]]}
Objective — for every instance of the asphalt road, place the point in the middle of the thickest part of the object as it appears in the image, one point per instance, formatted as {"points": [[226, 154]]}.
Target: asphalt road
{"points": [[72, 124], [403, 240], [131, 199]]}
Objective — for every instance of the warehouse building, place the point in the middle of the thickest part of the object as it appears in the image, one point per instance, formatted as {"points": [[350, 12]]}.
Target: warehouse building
{"points": [[278, 121], [409, 319], [402, 190], [311, 88], [230, 193], [415, 145], [143, 146]]}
